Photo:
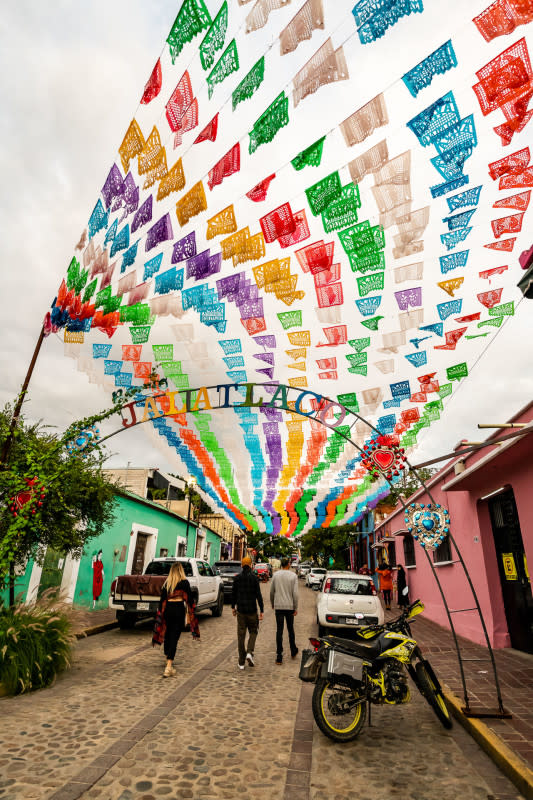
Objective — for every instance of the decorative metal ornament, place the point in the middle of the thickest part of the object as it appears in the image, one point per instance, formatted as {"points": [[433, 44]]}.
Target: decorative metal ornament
{"points": [[383, 457], [84, 441], [29, 498], [429, 524]]}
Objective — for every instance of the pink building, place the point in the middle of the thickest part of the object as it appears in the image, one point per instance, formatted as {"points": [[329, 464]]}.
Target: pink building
{"points": [[489, 494]]}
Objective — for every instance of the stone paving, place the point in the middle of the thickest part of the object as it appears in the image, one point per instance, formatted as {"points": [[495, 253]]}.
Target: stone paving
{"points": [[515, 674], [113, 729]]}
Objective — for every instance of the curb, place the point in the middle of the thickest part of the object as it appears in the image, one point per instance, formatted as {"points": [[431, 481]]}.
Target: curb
{"points": [[106, 626], [514, 767]]}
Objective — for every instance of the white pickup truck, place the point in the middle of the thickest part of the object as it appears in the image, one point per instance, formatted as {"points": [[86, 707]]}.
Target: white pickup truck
{"points": [[136, 597]]}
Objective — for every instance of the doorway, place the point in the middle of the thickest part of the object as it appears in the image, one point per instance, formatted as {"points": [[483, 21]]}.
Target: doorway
{"points": [[512, 566], [137, 566], [52, 572]]}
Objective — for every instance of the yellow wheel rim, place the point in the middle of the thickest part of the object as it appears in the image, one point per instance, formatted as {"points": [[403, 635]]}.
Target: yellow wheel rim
{"points": [[439, 697], [351, 726]]}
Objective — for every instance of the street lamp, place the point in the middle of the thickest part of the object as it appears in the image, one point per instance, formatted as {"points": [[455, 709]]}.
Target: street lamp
{"points": [[191, 481]]}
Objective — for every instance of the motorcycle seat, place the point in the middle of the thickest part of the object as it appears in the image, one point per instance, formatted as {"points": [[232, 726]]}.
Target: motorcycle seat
{"points": [[370, 649]]}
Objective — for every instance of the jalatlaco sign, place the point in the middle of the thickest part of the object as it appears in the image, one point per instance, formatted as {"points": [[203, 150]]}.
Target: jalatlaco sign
{"points": [[230, 395]]}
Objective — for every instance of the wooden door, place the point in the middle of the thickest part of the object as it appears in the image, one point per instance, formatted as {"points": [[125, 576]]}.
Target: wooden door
{"points": [[137, 567]]}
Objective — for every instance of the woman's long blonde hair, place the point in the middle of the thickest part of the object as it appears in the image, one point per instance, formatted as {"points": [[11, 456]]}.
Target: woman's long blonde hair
{"points": [[175, 575]]}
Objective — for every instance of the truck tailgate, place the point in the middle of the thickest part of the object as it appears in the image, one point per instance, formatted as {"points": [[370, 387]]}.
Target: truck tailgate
{"points": [[140, 586]]}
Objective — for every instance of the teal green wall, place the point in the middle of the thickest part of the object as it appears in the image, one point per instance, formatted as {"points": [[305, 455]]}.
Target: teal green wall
{"points": [[115, 541], [128, 511], [21, 585]]}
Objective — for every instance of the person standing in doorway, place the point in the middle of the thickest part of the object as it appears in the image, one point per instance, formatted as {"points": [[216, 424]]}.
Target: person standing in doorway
{"points": [[245, 598], [401, 587], [385, 584], [284, 601], [364, 570], [176, 605]]}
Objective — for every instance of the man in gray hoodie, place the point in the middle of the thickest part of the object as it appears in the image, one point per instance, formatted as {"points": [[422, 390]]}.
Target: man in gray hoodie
{"points": [[284, 600]]}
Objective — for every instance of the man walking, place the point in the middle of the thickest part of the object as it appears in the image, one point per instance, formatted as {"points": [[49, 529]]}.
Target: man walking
{"points": [[284, 600], [245, 598]]}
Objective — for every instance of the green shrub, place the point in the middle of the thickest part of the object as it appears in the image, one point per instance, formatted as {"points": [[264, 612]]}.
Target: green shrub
{"points": [[35, 644]]}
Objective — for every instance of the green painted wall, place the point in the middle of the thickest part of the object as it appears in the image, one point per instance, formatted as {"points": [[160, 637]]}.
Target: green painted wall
{"points": [[115, 542], [21, 585]]}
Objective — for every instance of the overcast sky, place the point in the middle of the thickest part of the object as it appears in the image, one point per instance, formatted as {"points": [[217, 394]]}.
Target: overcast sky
{"points": [[73, 75]]}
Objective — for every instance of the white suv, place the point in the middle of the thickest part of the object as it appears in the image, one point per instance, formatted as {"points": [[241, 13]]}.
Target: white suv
{"points": [[347, 600], [314, 577]]}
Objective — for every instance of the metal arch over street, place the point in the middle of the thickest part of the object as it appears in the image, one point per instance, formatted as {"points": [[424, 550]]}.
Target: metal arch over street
{"points": [[322, 406]]}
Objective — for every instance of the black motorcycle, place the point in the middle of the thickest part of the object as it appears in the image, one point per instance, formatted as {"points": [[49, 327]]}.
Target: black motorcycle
{"points": [[349, 675]]}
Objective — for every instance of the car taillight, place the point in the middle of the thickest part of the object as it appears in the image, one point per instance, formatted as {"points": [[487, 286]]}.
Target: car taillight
{"points": [[113, 586], [315, 644], [327, 586], [372, 587]]}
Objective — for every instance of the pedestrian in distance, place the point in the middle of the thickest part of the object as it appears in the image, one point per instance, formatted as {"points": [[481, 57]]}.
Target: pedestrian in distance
{"points": [[401, 587], [284, 601], [385, 584], [364, 570], [176, 608], [245, 599]]}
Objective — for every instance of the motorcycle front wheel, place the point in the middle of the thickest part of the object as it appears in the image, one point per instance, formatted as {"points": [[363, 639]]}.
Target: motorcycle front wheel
{"points": [[339, 711], [430, 689]]}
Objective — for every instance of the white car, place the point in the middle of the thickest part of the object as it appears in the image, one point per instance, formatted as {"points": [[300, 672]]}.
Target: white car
{"points": [[303, 569], [314, 577], [347, 600]]}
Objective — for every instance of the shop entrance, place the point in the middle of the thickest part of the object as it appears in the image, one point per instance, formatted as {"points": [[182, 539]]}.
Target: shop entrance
{"points": [[512, 566]]}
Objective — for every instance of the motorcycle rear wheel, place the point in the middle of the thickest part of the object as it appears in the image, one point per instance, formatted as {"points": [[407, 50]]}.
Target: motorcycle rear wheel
{"points": [[328, 701], [433, 694]]}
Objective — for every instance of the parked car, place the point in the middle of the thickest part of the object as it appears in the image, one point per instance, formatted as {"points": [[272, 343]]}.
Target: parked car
{"points": [[262, 571], [304, 568], [136, 597], [347, 600], [228, 571], [314, 577]]}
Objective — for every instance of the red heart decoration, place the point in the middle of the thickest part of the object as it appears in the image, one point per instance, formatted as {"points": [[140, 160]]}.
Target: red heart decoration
{"points": [[383, 458]]}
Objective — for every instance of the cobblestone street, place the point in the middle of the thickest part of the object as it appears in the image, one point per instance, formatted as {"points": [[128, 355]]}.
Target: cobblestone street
{"points": [[113, 729]]}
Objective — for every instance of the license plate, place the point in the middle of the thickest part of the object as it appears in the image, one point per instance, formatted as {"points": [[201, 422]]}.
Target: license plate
{"points": [[143, 606], [350, 621]]}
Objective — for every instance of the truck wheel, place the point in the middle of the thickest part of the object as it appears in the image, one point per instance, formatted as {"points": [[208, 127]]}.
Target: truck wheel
{"points": [[219, 608], [125, 620]]}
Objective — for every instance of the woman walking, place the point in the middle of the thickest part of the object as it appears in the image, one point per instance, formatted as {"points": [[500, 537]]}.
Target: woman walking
{"points": [[385, 584], [401, 586], [175, 605]]}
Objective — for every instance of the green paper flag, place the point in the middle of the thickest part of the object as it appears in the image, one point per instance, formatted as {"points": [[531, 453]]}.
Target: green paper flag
{"points": [[226, 64], [290, 319], [163, 352], [321, 194], [193, 17], [359, 344], [249, 84], [457, 372], [310, 157], [372, 323], [269, 123], [214, 38]]}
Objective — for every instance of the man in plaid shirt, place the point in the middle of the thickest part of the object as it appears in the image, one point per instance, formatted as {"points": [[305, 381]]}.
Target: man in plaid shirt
{"points": [[245, 598]]}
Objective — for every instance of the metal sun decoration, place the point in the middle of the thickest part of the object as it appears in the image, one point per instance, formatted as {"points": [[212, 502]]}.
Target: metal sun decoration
{"points": [[84, 441], [383, 456], [34, 493], [428, 524]]}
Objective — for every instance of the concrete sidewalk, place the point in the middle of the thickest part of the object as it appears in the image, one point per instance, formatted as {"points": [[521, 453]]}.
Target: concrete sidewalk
{"points": [[86, 621], [509, 742]]}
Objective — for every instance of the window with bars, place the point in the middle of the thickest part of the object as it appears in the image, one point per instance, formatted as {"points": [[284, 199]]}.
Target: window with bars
{"points": [[443, 552], [409, 551]]}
